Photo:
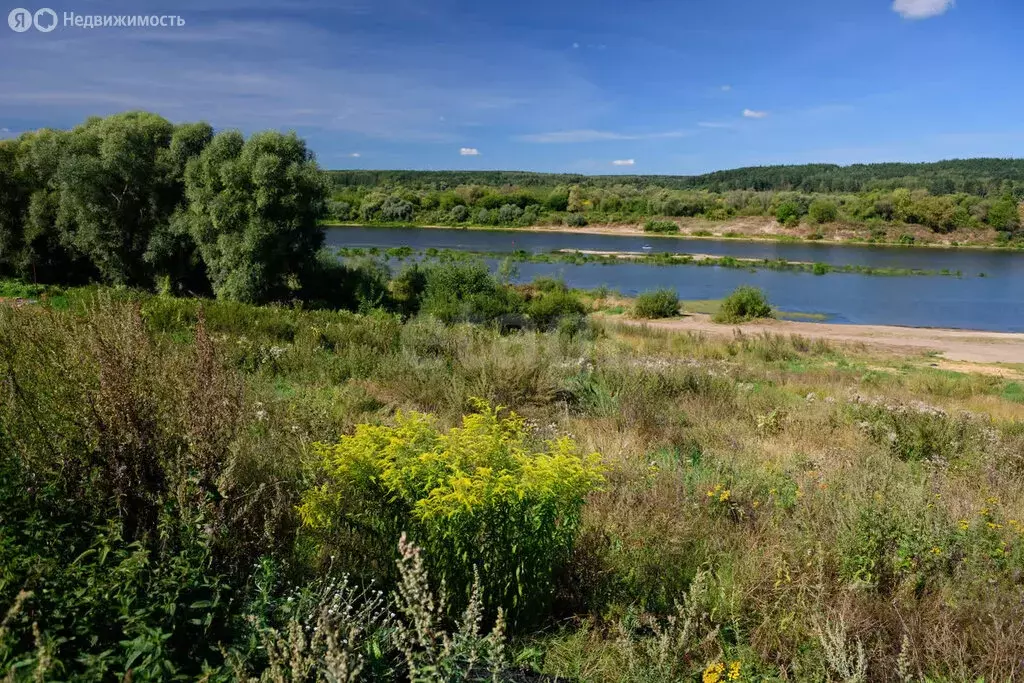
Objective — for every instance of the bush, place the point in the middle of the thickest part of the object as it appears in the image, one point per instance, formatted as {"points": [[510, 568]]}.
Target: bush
{"points": [[340, 211], [823, 211], [467, 292], [358, 285], [458, 214], [576, 220], [788, 214], [664, 227], [476, 498], [397, 210], [509, 214], [661, 303], [745, 303], [548, 309]]}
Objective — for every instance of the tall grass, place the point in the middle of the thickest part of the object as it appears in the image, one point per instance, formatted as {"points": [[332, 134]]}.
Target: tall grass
{"points": [[794, 509]]}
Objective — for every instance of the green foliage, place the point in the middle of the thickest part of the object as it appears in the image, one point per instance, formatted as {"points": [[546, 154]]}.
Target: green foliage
{"points": [[478, 499], [340, 211], [253, 211], [396, 210], [576, 220], [549, 308], [1004, 215], [131, 199], [788, 213], [745, 303], [466, 292], [978, 176], [661, 303], [823, 211], [666, 227]]}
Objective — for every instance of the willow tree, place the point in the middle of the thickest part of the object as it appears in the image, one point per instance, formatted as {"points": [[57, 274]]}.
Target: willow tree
{"points": [[253, 211], [118, 185]]}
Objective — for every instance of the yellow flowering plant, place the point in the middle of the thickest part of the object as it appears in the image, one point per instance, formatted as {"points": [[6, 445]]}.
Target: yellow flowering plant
{"points": [[476, 498]]}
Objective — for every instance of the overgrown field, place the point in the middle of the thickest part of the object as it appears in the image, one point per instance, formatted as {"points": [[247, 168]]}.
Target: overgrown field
{"points": [[198, 489]]}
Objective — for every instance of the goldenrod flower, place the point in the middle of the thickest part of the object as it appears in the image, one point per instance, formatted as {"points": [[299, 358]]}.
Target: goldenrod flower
{"points": [[714, 672]]}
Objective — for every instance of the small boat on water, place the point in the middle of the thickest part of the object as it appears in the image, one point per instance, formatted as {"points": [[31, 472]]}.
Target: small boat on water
{"points": [[647, 247]]}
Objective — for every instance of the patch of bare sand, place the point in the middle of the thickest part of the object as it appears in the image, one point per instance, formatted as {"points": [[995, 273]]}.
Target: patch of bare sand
{"points": [[966, 346]]}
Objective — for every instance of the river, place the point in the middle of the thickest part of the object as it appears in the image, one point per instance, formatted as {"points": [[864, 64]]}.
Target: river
{"points": [[994, 302]]}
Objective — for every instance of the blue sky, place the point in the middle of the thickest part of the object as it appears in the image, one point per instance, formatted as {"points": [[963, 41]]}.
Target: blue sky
{"points": [[660, 86]]}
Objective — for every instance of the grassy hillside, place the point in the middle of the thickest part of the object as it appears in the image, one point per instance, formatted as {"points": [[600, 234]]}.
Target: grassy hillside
{"points": [[762, 508]]}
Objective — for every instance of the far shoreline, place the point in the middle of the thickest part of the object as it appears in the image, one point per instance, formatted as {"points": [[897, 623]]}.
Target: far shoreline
{"points": [[635, 230]]}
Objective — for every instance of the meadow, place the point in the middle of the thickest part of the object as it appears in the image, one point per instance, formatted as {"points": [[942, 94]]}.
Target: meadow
{"points": [[198, 489]]}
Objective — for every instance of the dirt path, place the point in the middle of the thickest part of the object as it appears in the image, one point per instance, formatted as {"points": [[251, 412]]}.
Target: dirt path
{"points": [[954, 345]]}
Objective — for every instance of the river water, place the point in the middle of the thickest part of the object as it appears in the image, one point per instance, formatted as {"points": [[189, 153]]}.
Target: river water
{"points": [[994, 302]]}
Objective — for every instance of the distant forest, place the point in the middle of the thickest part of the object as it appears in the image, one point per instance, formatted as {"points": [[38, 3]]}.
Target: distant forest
{"points": [[981, 177], [970, 194]]}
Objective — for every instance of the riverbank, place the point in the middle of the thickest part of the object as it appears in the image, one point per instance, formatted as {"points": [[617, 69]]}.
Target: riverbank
{"points": [[763, 230], [955, 345]]}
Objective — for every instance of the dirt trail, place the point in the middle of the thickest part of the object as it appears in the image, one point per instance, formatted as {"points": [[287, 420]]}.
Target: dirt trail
{"points": [[954, 345]]}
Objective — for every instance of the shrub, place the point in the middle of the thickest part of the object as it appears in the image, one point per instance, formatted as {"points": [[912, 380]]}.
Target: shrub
{"points": [[358, 285], [466, 292], [340, 211], [823, 211], [661, 303], [396, 209], [788, 213], [576, 220], [552, 306], [745, 303], [458, 214], [476, 498], [662, 227], [509, 214]]}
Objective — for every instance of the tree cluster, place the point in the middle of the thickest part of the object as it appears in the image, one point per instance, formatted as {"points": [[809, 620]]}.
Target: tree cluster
{"points": [[134, 200], [985, 177], [583, 203]]}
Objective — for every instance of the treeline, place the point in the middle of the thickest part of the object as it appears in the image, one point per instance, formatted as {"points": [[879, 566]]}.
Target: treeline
{"points": [[582, 203], [135, 200], [983, 177]]}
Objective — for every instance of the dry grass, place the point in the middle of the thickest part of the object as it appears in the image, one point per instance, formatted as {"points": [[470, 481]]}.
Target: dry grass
{"points": [[812, 513]]}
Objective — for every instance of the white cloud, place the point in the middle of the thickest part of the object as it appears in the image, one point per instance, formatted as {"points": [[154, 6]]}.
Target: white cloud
{"points": [[921, 9], [623, 162], [752, 114], [5, 130], [355, 155], [570, 136], [469, 152], [575, 46], [726, 88], [714, 124]]}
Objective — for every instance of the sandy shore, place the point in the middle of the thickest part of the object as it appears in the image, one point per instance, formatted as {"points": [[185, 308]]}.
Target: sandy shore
{"points": [[760, 229], [955, 345], [632, 255]]}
